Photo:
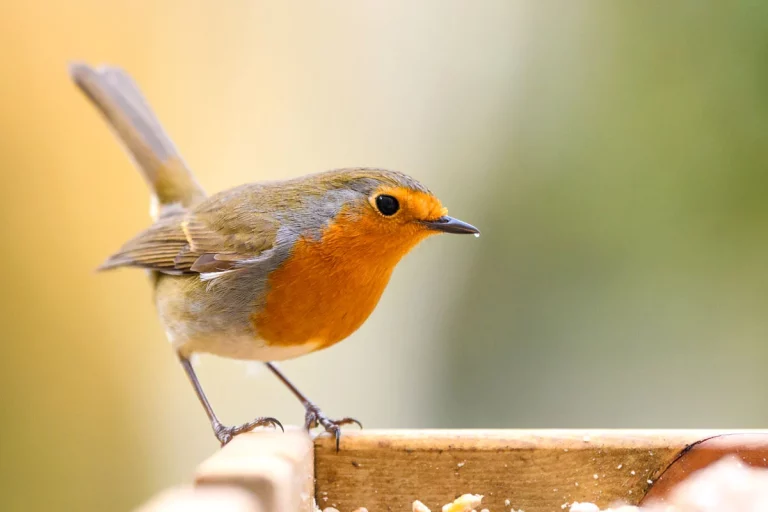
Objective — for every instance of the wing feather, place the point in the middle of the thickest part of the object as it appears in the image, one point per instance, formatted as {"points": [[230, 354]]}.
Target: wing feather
{"points": [[195, 242]]}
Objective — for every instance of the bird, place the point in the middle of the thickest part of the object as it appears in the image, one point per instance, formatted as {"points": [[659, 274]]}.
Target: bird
{"points": [[266, 271]]}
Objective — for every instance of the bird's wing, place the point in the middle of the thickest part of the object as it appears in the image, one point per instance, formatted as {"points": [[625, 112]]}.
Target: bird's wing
{"points": [[203, 242]]}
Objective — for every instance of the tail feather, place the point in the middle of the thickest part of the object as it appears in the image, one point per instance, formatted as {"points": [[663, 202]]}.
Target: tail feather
{"points": [[123, 105]]}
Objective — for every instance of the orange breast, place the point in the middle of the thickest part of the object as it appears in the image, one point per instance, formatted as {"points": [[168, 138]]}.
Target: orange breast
{"points": [[327, 288]]}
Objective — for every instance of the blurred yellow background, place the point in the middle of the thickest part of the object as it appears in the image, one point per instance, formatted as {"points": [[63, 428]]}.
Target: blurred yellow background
{"points": [[613, 153]]}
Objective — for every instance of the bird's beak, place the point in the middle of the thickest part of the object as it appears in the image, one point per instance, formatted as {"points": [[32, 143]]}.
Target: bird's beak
{"points": [[448, 224]]}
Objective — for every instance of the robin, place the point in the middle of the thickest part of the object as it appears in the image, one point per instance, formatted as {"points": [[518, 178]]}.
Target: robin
{"points": [[264, 271]]}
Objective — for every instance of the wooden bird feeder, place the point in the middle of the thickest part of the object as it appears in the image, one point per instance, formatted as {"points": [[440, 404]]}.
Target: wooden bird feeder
{"points": [[386, 470]]}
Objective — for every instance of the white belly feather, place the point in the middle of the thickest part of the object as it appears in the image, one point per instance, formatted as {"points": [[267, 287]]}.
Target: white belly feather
{"points": [[239, 346]]}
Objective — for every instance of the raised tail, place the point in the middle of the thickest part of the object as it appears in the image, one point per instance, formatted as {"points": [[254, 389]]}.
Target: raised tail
{"points": [[120, 101]]}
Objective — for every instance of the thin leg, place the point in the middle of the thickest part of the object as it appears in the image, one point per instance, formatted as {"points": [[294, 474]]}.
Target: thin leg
{"points": [[223, 434], [313, 415]]}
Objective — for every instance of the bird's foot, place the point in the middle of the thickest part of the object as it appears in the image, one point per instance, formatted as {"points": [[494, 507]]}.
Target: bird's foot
{"points": [[315, 417], [225, 434]]}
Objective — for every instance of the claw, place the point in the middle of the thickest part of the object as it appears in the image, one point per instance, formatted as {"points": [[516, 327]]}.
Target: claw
{"points": [[273, 422], [226, 434], [314, 417], [349, 421]]}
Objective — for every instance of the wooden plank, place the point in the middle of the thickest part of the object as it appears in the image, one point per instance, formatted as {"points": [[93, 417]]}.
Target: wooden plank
{"points": [[275, 467], [536, 471], [203, 499]]}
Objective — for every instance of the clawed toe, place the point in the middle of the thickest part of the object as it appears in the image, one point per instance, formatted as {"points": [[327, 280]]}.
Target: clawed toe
{"points": [[348, 421], [315, 417], [226, 434], [271, 422]]}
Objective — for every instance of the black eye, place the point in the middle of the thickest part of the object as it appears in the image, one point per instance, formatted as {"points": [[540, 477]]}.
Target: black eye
{"points": [[387, 205]]}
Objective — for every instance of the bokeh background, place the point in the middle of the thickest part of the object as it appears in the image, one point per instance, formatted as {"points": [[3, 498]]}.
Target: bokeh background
{"points": [[613, 153]]}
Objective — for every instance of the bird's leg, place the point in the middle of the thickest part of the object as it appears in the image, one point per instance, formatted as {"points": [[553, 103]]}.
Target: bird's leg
{"points": [[314, 416], [223, 433]]}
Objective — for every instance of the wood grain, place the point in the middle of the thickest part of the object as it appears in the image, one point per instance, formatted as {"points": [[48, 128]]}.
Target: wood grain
{"points": [[537, 471], [530, 470]]}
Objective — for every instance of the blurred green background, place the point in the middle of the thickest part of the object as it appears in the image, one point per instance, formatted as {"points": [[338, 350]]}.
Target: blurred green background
{"points": [[613, 153]]}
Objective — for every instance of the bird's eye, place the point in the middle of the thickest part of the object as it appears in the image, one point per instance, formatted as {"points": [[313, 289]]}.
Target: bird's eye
{"points": [[387, 205]]}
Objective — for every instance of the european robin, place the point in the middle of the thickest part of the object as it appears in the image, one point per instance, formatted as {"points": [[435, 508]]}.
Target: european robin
{"points": [[264, 271]]}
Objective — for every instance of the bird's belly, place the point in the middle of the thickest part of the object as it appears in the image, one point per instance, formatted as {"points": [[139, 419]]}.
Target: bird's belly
{"points": [[200, 320], [246, 347]]}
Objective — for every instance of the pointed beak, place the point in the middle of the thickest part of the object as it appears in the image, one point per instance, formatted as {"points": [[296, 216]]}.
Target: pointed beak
{"points": [[450, 225]]}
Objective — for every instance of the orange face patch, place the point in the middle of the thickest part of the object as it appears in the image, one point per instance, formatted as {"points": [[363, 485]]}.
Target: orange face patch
{"points": [[414, 205]]}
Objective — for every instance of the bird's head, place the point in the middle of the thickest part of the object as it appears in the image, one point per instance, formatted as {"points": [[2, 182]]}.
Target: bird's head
{"points": [[382, 213]]}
